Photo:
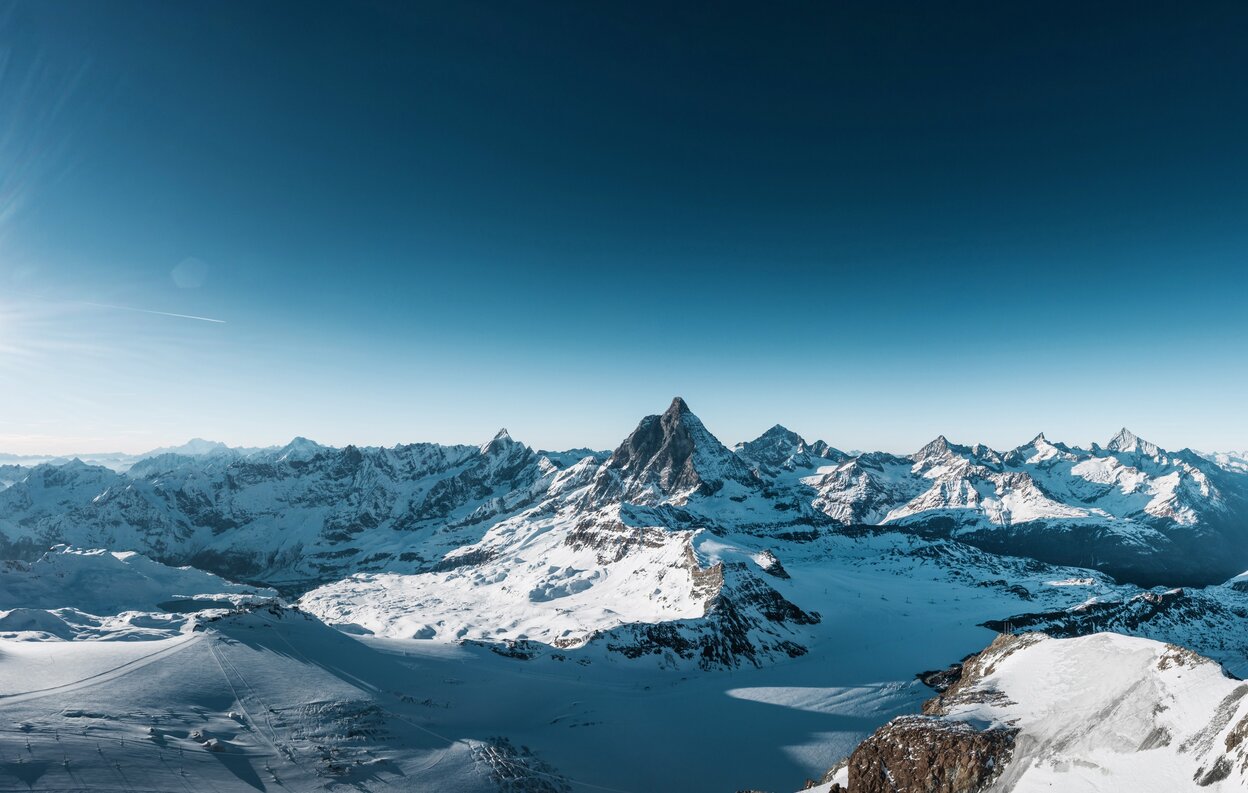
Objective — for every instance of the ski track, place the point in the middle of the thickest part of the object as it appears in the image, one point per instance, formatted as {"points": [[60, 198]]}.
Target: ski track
{"points": [[104, 676]]}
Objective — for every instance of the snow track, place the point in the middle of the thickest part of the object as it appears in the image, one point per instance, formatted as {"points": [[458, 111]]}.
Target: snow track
{"points": [[172, 647]]}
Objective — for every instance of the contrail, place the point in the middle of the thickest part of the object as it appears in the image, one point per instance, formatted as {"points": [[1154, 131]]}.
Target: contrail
{"points": [[119, 308], [149, 311]]}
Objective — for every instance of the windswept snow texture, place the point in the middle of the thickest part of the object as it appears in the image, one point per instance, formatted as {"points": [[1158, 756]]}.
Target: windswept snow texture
{"points": [[1108, 711], [303, 695]]}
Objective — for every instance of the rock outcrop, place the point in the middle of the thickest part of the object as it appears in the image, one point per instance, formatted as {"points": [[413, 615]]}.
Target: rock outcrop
{"points": [[669, 458], [923, 754]]}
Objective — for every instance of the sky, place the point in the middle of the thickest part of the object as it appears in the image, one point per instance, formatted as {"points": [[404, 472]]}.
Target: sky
{"points": [[871, 222]]}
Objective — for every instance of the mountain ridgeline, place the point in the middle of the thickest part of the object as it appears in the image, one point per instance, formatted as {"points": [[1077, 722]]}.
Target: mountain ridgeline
{"points": [[296, 516]]}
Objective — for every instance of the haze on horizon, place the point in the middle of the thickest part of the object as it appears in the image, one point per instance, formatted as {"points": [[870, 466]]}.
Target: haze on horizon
{"points": [[385, 223]]}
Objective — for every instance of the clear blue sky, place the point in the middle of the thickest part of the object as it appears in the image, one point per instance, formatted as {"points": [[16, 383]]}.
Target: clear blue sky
{"points": [[871, 222]]}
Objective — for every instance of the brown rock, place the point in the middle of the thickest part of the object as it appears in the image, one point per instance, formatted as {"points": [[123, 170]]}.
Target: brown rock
{"points": [[922, 754]]}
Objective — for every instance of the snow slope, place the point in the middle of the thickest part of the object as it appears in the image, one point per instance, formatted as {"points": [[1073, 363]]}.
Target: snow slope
{"points": [[75, 594], [890, 605], [1146, 715], [258, 700], [586, 713]]}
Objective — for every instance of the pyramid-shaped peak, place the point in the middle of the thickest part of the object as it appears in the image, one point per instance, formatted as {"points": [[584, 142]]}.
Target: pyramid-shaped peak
{"points": [[780, 432], [1039, 442], [782, 447], [937, 447], [773, 447], [501, 442], [1122, 440], [678, 407], [1128, 441], [666, 455]]}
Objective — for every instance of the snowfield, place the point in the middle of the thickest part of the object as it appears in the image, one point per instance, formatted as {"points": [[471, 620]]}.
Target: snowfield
{"points": [[530, 583], [120, 595], [1113, 710], [1149, 716]]}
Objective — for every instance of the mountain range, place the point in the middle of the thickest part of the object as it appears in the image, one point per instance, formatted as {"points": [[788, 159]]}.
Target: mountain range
{"points": [[303, 513], [805, 595]]}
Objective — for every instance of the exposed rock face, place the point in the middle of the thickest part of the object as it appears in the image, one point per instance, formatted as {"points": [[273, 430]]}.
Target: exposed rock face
{"points": [[962, 690], [779, 448], [746, 622], [920, 754], [929, 754], [669, 457]]}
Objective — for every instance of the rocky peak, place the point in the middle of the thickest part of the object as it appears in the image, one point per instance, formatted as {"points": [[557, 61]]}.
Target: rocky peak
{"points": [[505, 459], [773, 447], [1036, 451], [1127, 441], [822, 449], [940, 447], [671, 454], [781, 447], [74, 471], [781, 434], [501, 442]]}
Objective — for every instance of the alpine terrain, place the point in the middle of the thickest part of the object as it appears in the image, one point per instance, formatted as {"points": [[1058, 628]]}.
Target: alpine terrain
{"points": [[673, 614]]}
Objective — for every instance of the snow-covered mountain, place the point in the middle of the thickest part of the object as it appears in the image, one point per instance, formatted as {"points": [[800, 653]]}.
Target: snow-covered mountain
{"points": [[299, 512], [304, 514], [1129, 508], [122, 461], [1035, 713], [776, 600], [75, 594], [262, 698], [1232, 461]]}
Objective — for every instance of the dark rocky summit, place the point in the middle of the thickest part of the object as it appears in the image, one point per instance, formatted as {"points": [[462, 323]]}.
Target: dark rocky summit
{"points": [[672, 454]]}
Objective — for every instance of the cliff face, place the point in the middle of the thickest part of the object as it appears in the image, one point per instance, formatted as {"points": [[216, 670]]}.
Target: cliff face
{"points": [[924, 754], [930, 754], [669, 457]]}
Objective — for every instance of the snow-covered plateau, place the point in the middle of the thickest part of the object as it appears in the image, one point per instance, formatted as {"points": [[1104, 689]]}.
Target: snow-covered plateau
{"points": [[671, 615]]}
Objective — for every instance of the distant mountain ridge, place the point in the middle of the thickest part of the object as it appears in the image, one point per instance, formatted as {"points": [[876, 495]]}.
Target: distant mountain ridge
{"points": [[307, 512]]}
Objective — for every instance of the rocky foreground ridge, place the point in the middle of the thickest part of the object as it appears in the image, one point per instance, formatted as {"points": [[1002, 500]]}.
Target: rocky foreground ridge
{"points": [[1032, 712]]}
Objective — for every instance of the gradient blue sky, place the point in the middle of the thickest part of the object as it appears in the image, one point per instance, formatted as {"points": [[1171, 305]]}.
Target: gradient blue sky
{"points": [[871, 222]]}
